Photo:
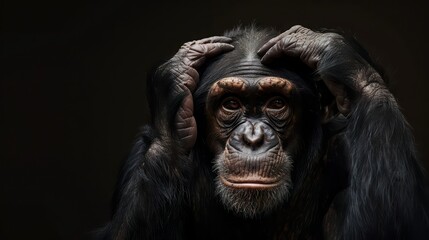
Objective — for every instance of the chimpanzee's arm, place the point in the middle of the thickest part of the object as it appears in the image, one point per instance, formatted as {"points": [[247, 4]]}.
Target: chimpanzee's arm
{"points": [[384, 199], [152, 190]]}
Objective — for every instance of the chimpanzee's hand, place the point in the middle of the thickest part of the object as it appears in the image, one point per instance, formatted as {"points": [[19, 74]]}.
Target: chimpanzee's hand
{"points": [[339, 65], [182, 70], [300, 42]]}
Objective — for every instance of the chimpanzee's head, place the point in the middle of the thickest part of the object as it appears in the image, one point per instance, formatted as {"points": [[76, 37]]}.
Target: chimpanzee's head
{"points": [[262, 125]]}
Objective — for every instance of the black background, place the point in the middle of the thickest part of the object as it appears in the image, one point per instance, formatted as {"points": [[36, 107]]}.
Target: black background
{"points": [[73, 78]]}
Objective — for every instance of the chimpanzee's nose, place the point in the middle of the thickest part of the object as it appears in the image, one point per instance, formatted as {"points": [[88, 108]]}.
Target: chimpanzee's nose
{"points": [[253, 135]]}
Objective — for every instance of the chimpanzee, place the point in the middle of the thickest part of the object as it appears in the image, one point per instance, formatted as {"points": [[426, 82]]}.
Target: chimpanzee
{"points": [[258, 136]]}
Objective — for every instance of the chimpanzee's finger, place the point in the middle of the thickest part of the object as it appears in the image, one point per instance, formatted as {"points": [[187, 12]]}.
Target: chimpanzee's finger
{"points": [[198, 53], [214, 39], [273, 41]]}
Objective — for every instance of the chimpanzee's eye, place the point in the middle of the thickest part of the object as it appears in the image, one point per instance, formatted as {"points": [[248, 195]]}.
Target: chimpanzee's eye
{"points": [[231, 104], [276, 103]]}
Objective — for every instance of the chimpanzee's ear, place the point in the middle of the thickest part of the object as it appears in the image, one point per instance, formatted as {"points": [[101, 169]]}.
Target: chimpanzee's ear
{"points": [[335, 106], [335, 99], [340, 93]]}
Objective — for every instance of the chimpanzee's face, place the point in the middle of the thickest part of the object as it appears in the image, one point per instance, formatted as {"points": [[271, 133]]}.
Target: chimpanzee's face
{"points": [[253, 132]]}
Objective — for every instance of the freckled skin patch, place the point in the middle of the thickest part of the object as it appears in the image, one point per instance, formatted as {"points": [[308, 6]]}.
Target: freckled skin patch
{"points": [[276, 83], [229, 83]]}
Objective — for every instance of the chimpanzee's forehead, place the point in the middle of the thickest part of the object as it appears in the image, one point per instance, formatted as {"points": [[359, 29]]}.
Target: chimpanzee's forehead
{"points": [[250, 68]]}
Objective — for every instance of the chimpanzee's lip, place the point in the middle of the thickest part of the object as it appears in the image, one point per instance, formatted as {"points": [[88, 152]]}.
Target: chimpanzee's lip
{"points": [[250, 182]]}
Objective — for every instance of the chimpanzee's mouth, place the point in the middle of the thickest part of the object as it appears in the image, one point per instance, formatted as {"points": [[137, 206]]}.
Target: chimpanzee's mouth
{"points": [[250, 182]]}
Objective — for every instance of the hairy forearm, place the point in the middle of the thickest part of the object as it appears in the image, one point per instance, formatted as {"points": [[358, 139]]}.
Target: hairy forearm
{"points": [[150, 190]]}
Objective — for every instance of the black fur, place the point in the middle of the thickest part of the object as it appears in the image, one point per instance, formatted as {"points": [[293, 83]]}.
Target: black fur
{"points": [[355, 178]]}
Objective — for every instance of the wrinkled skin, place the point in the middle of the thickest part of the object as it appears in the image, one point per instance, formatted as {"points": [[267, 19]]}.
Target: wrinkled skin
{"points": [[254, 124]]}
